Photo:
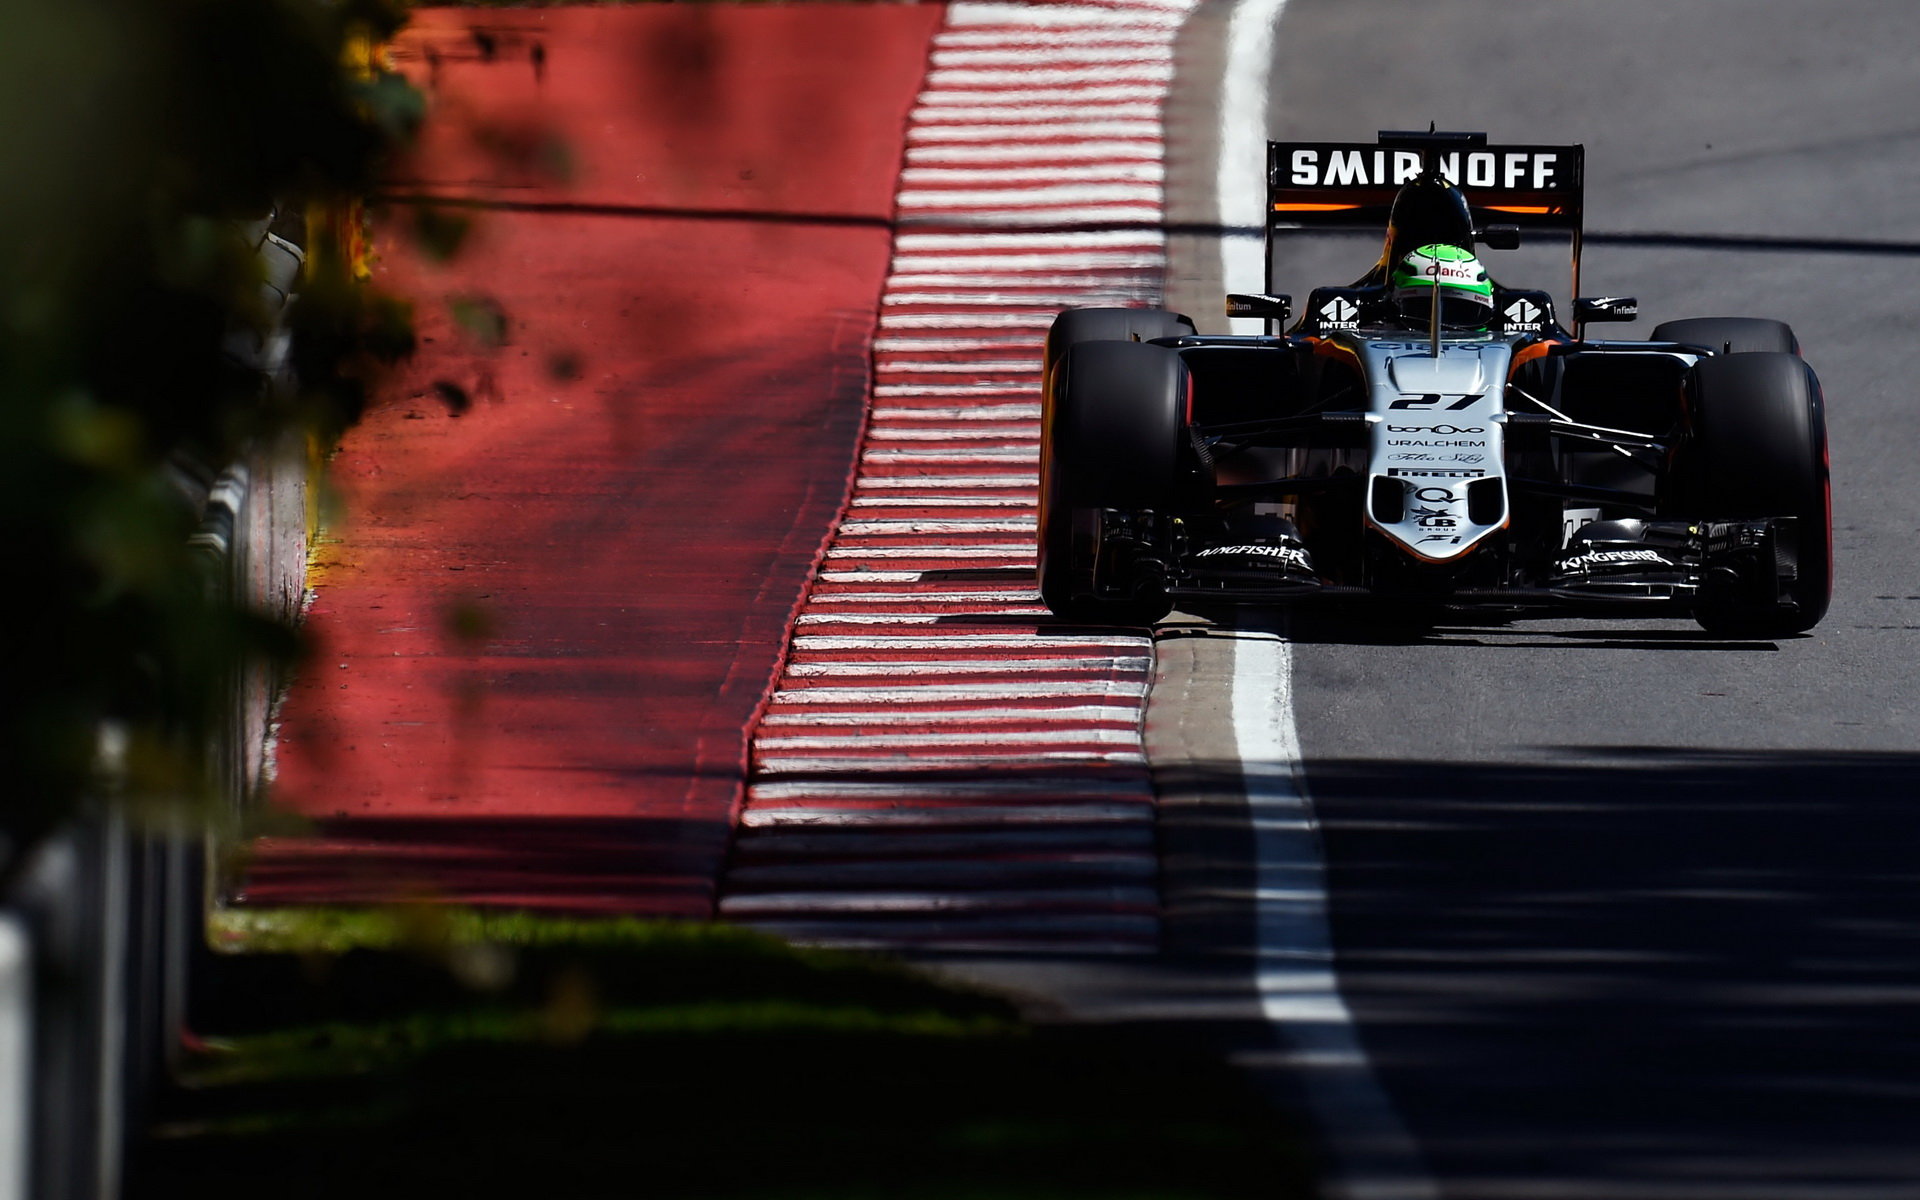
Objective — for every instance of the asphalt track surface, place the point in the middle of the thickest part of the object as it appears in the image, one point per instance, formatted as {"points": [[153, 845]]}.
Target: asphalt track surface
{"points": [[1622, 910], [545, 620]]}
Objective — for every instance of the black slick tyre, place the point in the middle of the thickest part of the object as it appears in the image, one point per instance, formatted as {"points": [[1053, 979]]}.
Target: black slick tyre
{"points": [[1745, 335], [1110, 434], [1077, 325], [1759, 449]]}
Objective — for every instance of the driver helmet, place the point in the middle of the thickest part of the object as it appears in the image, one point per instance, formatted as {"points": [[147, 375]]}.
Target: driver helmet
{"points": [[1466, 295]]}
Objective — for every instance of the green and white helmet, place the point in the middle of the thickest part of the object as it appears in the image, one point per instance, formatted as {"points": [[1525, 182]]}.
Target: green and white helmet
{"points": [[1466, 295]]}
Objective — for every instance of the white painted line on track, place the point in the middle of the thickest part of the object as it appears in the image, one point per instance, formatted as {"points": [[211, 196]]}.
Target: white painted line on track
{"points": [[1012, 556], [999, 411], [984, 841], [978, 454], [874, 803], [921, 525], [960, 16], [1049, 216], [972, 338], [1009, 690], [1025, 737], [1039, 44], [971, 900], [883, 483], [1027, 114], [1120, 32], [905, 619], [1158, 73], [1002, 299], [915, 641], [927, 870], [952, 429], [1028, 268], [1026, 366], [1064, 273], [983, 323], [1126, 93], [997, 391], [1143, 129], [949, 667], [998, 802], [890, 502], [1001, 367], [1084, 240], [1131, 150], [905, 596], [1070, 933], [912, 425], [1002, 341], [1374, 1156], [1064, 638], [979, 759], [1075, 259], [981, 392], [954, 220], [1025, 433], [966, 557], [1075, 195], [1006, 555], [1084, 714], [1009, 39], [1053, 54]]}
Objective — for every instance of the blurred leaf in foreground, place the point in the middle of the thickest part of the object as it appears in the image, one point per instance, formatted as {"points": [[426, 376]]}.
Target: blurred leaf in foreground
{"points": [[146, 144]]}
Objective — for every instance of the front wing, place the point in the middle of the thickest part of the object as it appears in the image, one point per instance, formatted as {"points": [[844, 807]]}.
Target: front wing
{"points": [[1676, 566]]}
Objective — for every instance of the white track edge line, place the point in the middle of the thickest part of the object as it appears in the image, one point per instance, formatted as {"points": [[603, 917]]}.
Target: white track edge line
{"points": [[1374, 1156]]}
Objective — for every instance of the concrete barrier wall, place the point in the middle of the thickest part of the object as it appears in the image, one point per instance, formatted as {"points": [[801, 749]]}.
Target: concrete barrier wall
{"points": [[101, 922], [255, 536]]}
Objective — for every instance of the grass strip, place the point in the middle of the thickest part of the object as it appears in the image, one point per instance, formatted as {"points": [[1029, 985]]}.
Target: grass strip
{"points": [[439, 1053]]}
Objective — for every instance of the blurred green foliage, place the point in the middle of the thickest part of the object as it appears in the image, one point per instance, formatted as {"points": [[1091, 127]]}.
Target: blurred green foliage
{"points": [[429, 1051], [139, 138]]}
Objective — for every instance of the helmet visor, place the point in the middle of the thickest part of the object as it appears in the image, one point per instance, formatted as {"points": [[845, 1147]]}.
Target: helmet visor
{"points": [[1454, 275]]}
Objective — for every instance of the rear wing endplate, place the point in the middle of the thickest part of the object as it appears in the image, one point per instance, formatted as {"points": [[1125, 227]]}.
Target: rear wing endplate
{"points": [[1351, 185]]}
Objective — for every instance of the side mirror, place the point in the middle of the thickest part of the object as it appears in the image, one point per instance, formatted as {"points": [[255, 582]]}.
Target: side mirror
{"points": [[1271, 308], [1591, 309], [1498, 237]]}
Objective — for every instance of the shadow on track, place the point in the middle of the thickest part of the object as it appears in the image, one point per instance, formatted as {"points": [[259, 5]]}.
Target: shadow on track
{"points": [[585, 865], [1620, 971]]}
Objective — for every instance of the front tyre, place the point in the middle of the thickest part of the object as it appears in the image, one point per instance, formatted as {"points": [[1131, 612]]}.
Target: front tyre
{"points": [[1109, 441], [1759, 449]]}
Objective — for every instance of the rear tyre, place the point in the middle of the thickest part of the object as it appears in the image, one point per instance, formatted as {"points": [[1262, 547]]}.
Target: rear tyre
{"points": [[1110, 440], [1746, 335], [1077, 325], [1759, 449]]}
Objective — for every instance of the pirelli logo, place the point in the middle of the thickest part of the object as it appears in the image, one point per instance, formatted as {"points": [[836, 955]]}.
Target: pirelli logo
{"points": [[1529, 169]]}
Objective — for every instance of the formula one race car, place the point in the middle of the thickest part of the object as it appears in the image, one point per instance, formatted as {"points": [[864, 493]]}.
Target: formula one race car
{"points": [[1428, 439]]}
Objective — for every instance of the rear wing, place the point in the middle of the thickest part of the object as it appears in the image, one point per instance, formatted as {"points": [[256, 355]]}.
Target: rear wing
{"points": [[1351, 185]]}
